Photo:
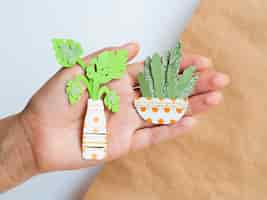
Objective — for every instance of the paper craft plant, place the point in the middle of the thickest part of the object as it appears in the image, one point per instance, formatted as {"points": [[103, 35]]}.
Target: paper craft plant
{"points": [[100, 70], [164, 91]]}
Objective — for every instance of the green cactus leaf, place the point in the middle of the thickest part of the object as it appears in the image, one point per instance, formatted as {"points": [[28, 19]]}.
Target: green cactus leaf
{"points": [[158, 74], [187, 91], [74, 90], [165, 62], [112, 101], [160, 78], [144, 85], [173, 70], [186, 82], [67, 51], [148, 77]]}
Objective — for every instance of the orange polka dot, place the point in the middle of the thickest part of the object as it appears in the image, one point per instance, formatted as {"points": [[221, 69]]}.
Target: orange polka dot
{"points": [[167, 109], [179, 110], [94, 156], [96, 119], [155, 109], [148, 98], [172, 121], [149, 120], [160, 121], [143, 109]]}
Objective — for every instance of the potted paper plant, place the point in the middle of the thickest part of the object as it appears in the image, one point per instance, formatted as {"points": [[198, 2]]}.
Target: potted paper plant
{"points": [[100, 70], [164, 90]]}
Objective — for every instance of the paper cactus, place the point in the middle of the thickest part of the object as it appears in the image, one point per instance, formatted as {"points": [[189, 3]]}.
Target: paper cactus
{"points": [[161, 82], [100, 70]]}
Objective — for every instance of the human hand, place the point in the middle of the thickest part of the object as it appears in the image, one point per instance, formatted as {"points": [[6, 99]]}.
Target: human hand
{"points": [[55, 127]]}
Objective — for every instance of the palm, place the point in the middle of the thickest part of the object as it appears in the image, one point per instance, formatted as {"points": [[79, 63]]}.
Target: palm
{"points": [[56, 126]]}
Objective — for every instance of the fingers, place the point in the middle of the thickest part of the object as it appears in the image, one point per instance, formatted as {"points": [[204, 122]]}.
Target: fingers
{"points": [[203, 102], [210, 80], [200, 62], [149, 136]]}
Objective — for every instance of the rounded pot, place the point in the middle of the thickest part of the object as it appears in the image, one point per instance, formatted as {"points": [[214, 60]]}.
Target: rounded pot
{"points": [[161, 111]]}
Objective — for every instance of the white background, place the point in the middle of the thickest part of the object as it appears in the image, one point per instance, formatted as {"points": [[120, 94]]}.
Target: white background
{"points": [[27, 61]]}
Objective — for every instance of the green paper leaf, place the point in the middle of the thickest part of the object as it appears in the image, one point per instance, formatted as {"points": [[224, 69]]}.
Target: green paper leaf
{"points": [[160, 78], [173, 70], [158, 73], [67, 51], [185, 82], [112, 101], [107, 66], [144, 85], [148, 78], [74, 90]]}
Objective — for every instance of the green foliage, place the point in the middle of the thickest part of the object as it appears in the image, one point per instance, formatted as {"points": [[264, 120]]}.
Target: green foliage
{"points": [[103, 68], [160, 78], [107, 66], [74, 90], [112, 101], [158, 74], [67, 51]]}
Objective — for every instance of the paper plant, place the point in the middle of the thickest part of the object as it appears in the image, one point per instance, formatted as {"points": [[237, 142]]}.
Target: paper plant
{"points": [[164, 90], [100, 70]]}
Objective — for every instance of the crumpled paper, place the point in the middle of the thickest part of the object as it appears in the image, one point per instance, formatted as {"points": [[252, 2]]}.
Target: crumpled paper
{"points": [[225, 155]]}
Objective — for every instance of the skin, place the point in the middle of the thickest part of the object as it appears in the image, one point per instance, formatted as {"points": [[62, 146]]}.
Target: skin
{"points": [[52, 127]]}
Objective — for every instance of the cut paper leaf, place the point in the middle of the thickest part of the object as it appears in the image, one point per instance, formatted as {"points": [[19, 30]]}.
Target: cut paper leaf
{"points": [[164, 90], [67, 51], [185, 83], [74, 90], [172, 71], [158, 74], [111, 101], [107, 66]]}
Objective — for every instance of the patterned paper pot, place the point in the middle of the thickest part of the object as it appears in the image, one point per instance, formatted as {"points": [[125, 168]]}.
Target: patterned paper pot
{"points": [[161, 111]]}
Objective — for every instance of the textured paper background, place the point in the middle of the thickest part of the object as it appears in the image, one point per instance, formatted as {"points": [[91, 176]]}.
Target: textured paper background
{"points": [[225, 156]]}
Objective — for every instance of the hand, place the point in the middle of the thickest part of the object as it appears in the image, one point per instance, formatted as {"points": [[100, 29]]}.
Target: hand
{"points": [[55, 127]]}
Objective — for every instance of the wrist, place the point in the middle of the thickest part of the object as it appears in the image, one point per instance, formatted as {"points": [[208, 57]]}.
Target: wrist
{"points": [[17, 161]]}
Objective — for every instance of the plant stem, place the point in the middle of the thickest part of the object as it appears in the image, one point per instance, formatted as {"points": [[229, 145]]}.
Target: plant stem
{"points": [[82, 63], [84, 80]]}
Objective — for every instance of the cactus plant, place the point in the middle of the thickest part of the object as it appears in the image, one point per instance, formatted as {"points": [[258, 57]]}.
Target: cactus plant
{"points": [[161, 78], [164, 90]]}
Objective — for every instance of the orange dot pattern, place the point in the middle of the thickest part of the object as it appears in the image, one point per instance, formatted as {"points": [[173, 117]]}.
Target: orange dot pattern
{"points": [[143, 109], [179, 110], [149, 120], [161, 121], [167, 109], [155, 109]]}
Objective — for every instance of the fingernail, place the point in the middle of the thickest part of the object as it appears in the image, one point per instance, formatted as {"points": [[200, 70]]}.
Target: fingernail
{"points": [[204, 61], [188, 121], [221, 79], [214, 98], [132, 46]]}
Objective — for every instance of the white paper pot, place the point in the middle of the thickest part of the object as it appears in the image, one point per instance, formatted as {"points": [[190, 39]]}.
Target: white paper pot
{"points": [[94, 141], [161, 111]]}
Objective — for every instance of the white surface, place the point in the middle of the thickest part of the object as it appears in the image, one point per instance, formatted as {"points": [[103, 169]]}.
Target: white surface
{"points": [[27, 60]]}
